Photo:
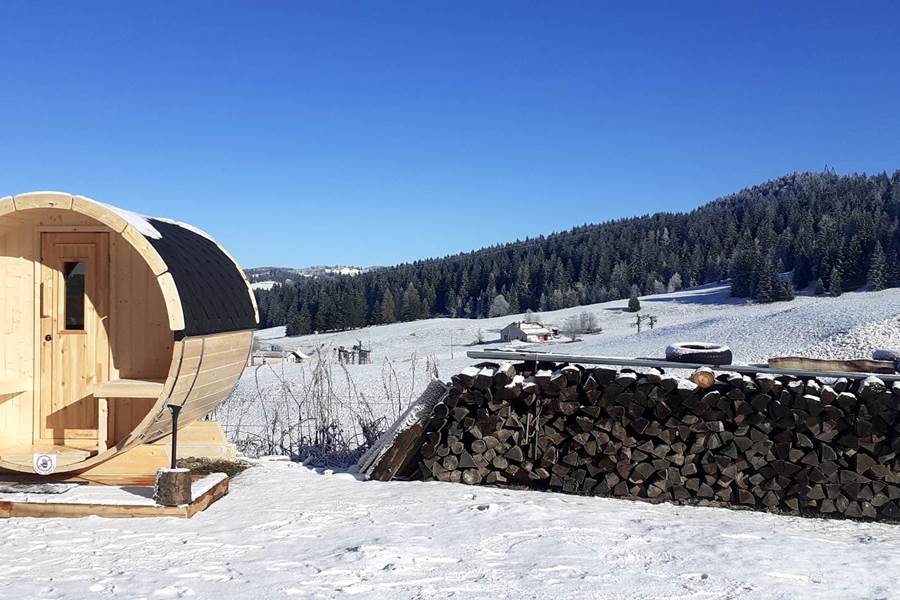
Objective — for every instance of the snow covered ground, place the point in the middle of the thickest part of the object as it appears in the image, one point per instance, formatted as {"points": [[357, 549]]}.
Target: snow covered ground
{"points": [[262, 285], [287, 531], [846, 327], [708, 313], [291, 531]]}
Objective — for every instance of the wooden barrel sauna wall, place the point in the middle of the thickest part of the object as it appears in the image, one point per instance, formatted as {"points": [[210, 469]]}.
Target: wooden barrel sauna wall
{"points": [[107, 317]]}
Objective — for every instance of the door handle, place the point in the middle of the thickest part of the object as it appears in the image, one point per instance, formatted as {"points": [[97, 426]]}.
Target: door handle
{"points": [[48, 338], [45, 300]]}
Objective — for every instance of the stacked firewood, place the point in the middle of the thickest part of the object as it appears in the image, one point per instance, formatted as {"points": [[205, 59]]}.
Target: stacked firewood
{"points": [[778, 443]]}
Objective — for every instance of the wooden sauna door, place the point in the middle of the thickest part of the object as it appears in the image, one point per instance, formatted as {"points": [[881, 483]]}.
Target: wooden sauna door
{"points": [[74, 347]]}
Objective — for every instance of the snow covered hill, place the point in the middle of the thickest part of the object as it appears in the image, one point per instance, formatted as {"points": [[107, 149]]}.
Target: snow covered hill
{"points": [[282, 274]]}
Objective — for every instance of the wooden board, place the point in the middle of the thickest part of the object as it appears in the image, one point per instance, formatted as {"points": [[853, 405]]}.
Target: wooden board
{"points": [[7, 205], [209, 370], [10, 387], [142, 344], [17, 294], [66, 455], [818, 364], [32, 200], [130, 388], [123, 391], [10, 509], [396, 452]]}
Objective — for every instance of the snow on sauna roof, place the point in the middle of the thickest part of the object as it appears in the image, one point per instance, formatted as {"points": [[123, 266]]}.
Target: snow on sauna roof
{"points": [[139, 222], [143, 223], [213, 291], [214, 294]]}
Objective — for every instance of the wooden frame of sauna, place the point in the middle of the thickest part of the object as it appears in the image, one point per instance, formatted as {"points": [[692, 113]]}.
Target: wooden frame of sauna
{"points": [[150, 344]]}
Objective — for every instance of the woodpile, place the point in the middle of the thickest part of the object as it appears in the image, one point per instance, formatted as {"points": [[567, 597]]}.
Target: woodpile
{"points": [[776, 443]]}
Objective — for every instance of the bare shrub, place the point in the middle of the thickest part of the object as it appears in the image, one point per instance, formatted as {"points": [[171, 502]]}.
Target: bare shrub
{"points": [[582, 323], [319, 415]]}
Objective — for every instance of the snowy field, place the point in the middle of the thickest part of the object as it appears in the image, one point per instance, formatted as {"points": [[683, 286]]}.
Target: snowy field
{"points": [[286, 531], [291, 531], [846, 327], [708, 313]]}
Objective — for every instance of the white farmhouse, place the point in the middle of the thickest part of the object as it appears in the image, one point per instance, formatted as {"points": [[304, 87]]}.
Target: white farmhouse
{"points": [[528, 332], [276, 357]]}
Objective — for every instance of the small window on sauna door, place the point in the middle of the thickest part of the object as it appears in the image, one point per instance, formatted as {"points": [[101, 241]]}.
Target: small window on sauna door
{"points": [[74, 281]]}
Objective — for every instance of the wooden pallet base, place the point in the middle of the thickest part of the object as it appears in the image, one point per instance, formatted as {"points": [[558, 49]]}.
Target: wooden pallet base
{"points": [[138, 466], [210, 489]]}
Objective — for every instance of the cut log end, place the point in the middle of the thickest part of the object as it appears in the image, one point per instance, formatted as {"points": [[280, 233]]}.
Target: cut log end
{"points": [[704, 378], [173, 487]]}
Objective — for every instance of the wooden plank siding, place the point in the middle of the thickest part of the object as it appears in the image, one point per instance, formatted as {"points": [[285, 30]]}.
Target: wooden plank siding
{"points": [[138, 327]]}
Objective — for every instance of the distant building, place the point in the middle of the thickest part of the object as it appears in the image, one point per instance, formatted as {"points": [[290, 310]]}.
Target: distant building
{"points": [[276, 357], [528, 332]]}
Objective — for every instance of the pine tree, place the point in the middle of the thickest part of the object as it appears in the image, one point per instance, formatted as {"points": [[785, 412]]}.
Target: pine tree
{"points": [[411, 309], [877, 268], [744, 270], [304, 321], [892, 271], [453, 304], [277, 314], [523, 287], [469, 308], [293, 322], [387, 309], [429, 298], [356, 309], [802, 272], [784, 291], [835, 283], [634, 304], [765, 285], [853, 271], [325, 318], [618, 281]]}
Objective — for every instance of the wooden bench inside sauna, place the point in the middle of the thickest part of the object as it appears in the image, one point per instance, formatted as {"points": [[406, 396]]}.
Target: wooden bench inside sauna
{"points": [[106, 319]]}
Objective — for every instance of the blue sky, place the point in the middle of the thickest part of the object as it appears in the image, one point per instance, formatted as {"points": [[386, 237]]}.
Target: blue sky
{"points": [[378, 132]]}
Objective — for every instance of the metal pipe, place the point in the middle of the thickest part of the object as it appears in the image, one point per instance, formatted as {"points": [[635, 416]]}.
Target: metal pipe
{"points": [[175, 408], [665, 364]]}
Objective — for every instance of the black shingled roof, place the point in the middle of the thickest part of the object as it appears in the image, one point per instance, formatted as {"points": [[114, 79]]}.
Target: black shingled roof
{"points": [[214, 295]]}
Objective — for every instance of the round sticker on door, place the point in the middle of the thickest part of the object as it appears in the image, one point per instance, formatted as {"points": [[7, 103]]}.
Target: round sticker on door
{"points": [[44, 464]]}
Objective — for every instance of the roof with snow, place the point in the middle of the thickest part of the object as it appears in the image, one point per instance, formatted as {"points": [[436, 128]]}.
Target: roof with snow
{"points": [[531, 328]]}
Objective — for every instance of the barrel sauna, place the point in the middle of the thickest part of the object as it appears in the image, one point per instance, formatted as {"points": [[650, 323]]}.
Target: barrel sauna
{"points": [[106, 318]]}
